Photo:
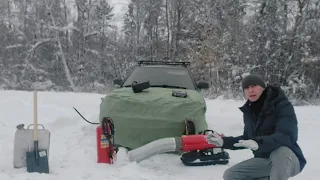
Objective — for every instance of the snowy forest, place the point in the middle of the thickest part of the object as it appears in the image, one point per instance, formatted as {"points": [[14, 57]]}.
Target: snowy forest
{"points": [[52, 45]]}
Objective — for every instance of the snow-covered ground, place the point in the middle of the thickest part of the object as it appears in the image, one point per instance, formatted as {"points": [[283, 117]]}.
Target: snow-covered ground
{"points": [[73, 145]]}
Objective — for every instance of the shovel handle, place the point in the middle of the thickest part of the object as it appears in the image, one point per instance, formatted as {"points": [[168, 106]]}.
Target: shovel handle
{"points": [[35, 116]]}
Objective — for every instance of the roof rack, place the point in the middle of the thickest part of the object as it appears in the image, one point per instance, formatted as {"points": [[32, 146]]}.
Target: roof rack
{"points": [[184, 63]]}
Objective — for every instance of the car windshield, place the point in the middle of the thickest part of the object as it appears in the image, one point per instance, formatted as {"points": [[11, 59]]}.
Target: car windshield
{"points": [[169, 77]]}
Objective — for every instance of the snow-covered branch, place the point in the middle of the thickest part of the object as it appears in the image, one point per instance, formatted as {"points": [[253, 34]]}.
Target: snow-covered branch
{"points": [[14, 46], [36, 70], [65, 28], [91, 34], [93, 51], [41, 42]]}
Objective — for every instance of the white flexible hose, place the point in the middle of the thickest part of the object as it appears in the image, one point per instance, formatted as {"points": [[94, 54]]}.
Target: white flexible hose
{"points": [[155, 147]]}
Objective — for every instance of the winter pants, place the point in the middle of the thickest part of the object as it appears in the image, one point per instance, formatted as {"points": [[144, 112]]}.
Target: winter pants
{"points": [[281, 165]]}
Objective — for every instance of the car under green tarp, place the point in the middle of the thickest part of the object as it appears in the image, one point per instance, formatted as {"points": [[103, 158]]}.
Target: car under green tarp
{"points": [[140, 118]]}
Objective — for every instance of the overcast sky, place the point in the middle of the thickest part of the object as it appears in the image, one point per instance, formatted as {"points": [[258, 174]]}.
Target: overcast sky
{"points": [[120, 7]]}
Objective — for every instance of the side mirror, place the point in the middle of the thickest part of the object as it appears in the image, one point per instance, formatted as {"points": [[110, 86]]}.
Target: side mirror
{"points": [[117, 82], [203, 85]]}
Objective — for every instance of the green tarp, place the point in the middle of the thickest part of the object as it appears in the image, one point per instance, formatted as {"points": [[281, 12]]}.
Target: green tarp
{"points": [[140, 118]]}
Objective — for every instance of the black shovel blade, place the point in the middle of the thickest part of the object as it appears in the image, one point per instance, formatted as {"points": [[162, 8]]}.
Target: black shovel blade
{"points": [[37, 161]]}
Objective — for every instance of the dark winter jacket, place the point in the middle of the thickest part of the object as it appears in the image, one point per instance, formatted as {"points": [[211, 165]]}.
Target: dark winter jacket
{"points": [[275, 125]]}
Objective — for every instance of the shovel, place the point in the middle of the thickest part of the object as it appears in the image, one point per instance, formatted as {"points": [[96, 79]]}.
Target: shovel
{"points": [[36, 160]]}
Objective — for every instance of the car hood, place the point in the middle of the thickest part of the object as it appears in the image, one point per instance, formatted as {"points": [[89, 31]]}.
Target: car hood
{"points": [[157, 95], [140, 118]]}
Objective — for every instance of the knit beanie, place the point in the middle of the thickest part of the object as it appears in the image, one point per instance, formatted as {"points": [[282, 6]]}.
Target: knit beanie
{"points": [[252, 80]]}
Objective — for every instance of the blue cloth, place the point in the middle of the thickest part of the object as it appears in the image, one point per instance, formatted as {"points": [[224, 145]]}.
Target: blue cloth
{"points": [[274, 127]]}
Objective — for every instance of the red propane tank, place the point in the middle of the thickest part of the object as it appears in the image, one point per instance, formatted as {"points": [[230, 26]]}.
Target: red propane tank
{"points": [[103, 147]]}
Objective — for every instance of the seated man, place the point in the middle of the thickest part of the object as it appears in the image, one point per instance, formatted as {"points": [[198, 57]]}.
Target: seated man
{"points": [[270, 131]]}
